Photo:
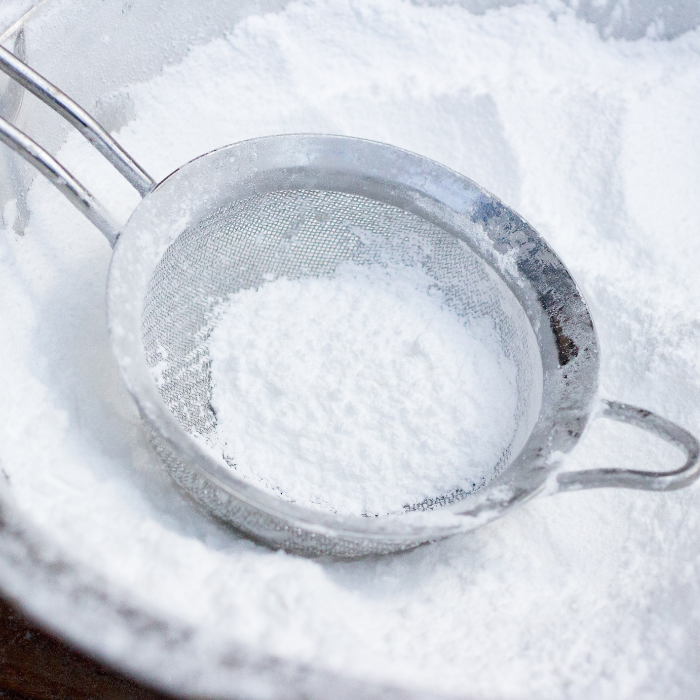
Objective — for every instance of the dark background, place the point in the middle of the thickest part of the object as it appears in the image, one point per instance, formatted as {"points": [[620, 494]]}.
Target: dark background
{"points": [[34, 665]]}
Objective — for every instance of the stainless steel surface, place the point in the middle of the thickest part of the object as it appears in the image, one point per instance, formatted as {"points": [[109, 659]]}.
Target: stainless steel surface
{"points": [[72, 112], [47, 165], [53, 171], [297, 206], [637, 479]]}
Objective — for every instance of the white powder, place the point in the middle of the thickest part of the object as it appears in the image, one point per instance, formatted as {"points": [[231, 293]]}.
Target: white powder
{"points": [[597, 143], [361, 393]]}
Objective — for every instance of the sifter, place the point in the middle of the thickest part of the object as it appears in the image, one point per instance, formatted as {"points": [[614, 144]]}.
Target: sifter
{"points": [[299, 205]]}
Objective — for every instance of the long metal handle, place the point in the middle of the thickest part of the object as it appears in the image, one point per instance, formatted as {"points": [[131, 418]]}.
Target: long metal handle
{"points": [[636, 479], [93, 132], [48, 166]]}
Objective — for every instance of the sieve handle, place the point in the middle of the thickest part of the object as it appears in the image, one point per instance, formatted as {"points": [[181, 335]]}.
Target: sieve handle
{"points": [[632, 478], [48, 166]]}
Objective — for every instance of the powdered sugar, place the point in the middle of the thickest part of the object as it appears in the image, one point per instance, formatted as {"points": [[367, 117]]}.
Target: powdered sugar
{"points": [[592, 594], [361, 393]]}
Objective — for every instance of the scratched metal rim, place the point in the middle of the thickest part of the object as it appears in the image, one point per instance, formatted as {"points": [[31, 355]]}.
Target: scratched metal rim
{"points": [[534, 274]]}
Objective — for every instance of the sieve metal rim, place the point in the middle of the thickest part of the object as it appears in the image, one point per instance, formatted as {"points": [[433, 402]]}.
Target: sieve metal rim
{"points": [[395, 176]]}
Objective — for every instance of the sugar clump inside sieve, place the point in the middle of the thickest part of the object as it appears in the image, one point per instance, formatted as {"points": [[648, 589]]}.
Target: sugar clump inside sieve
{"points": [[361, 393]]}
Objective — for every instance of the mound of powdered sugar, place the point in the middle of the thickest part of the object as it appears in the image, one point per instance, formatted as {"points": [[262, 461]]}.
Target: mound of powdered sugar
{"points": [[597, 143], [360, 393]]}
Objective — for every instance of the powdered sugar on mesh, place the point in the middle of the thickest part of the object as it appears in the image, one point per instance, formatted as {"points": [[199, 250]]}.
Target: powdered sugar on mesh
{"points": [[361, 393]]}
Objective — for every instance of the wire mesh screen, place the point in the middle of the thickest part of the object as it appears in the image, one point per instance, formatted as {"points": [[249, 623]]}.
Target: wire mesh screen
{"points": [[299, 233]]}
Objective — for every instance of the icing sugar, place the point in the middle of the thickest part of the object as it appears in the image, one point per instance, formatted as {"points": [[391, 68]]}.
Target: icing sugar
{"points": [[360, 393], [597, 143]]}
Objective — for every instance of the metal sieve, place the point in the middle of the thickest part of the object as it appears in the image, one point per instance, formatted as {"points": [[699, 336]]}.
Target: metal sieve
{"points": [[300, 205]]}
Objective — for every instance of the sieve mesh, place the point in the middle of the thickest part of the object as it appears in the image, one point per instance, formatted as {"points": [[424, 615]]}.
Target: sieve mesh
{"points": [[299, 233]]}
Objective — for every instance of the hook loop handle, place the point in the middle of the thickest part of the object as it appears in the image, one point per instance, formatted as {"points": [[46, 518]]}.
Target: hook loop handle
{"points": [[637, 479]]}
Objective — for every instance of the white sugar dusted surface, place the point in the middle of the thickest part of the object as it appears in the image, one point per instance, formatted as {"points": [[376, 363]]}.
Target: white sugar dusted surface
{"points": [[359, 393], [597, 144]]}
